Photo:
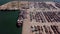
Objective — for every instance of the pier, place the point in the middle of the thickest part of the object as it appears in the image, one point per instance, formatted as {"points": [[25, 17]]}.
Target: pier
{"points": [[14, 5], [17, 5]]}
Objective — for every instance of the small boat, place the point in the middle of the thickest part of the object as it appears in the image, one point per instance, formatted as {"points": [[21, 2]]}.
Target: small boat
{"points": [[19, 23]]}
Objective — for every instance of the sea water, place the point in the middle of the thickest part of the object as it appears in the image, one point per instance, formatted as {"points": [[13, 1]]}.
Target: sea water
{"points": [[8, 21]]}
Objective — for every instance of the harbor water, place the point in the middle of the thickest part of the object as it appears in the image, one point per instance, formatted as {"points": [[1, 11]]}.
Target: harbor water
{"points": [[8, 21]]}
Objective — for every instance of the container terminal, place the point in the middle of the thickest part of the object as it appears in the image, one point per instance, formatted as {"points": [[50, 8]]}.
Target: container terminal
{"points": [[36, 17]]}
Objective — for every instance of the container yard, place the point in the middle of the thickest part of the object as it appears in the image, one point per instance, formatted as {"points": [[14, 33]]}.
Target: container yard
{"points": [[40, 18]]}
